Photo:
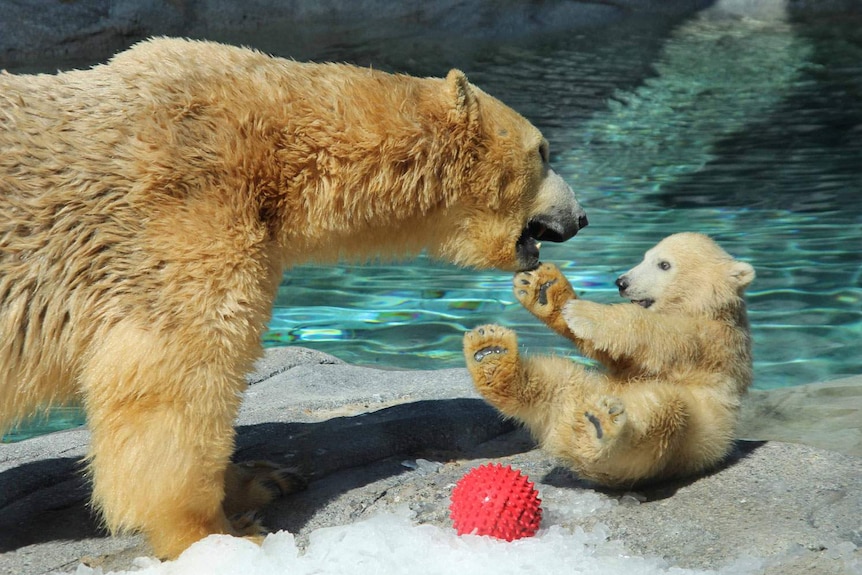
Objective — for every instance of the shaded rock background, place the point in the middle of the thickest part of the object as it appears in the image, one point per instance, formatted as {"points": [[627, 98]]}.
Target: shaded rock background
{"points": [[373, 441], [38, 31]]}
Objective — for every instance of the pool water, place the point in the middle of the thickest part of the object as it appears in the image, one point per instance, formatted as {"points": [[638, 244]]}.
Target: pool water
{"points": [[745, 128]]}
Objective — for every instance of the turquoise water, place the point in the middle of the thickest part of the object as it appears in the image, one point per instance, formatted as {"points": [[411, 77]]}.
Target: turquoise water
{"points": [[748, 129]]}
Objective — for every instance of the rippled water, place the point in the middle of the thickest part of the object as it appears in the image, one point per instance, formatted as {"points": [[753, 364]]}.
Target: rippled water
{"points": [[748, 130]]}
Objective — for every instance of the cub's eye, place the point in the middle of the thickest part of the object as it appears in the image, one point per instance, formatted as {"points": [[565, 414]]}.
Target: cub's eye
{"points": [[664, 265], [544, 152]]}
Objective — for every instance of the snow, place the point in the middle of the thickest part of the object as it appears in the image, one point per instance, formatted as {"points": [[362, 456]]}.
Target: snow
{"points": [[391, 544]]}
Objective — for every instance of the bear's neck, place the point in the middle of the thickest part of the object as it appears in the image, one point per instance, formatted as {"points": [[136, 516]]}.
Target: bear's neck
{"points": [[355, 177]]}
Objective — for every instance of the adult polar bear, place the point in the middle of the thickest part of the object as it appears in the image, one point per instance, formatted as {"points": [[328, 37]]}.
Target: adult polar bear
{"points": [[149, 206]]}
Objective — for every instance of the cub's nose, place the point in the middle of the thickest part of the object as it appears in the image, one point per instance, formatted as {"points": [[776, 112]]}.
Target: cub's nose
{"points": [[622, 283]]}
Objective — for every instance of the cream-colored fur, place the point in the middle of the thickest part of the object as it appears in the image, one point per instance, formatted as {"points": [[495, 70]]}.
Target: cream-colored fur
{"points": [[677, 363], [149, 206]]}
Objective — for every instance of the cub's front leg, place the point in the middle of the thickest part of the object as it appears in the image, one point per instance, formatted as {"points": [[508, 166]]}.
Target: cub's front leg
{"points": [[544, 292]]}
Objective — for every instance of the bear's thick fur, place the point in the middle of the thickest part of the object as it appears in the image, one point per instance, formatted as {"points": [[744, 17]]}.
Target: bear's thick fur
{"points": [[677, 359], [149, 206]]}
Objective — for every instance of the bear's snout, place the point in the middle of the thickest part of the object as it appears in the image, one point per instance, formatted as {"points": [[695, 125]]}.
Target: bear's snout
{"points": [[622, 284]]}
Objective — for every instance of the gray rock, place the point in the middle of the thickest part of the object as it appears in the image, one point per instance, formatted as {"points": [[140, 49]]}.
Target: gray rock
{"points": [[373, 441], [827, 415]]}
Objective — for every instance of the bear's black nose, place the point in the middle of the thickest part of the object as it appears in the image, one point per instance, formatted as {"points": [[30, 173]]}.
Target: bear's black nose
{"points": [[622, 283]]}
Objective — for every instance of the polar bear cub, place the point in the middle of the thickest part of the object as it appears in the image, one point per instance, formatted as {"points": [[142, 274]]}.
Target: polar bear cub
{"points": [[677, 362]]}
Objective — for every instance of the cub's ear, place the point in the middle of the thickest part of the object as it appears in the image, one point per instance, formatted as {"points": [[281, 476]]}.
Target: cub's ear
{"points": [[466, 104], [741, 274]]}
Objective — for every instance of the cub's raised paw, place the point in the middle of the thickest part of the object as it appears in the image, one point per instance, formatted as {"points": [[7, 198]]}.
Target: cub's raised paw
{"points": [[492, 358], [489, 343], [606, 419], [543, 291]]}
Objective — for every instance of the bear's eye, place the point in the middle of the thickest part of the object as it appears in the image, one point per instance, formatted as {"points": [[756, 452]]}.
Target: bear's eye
{"points": [[664, 265], [544, 152]]}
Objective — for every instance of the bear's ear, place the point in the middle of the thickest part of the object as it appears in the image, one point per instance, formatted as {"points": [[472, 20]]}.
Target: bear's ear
{"points": [[466, 104], [741, 274]]}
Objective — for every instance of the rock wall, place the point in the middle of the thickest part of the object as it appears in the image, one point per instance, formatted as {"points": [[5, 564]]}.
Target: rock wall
{"points": [[47, 33]]}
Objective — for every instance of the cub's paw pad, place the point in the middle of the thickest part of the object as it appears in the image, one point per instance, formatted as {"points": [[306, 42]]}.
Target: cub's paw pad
{"points": [[527, 289], [607, 417], [485, 352], [596, 423], [488, 341]]}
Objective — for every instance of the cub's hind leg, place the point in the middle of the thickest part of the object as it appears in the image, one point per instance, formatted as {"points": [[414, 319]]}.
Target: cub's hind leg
{"points": [[491, 352], [601, 426], [622, 436], [527, 389]]}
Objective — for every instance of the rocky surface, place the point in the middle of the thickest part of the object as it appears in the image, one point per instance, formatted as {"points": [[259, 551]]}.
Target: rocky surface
{"points": [[373, 441]]}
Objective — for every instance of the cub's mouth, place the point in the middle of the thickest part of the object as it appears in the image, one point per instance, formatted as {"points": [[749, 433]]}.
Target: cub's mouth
{"points": [[644, 303], [544, 229]]}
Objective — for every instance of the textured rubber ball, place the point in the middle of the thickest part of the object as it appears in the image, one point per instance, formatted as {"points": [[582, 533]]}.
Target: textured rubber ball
{"points": [[497, 501]]}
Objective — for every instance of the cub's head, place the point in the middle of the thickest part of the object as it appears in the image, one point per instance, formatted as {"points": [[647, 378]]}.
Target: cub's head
{"points": [[686, 273], [507, 198]]}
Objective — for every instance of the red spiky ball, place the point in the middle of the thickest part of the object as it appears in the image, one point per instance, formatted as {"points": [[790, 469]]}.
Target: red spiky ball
{"points": [[497, 501]]}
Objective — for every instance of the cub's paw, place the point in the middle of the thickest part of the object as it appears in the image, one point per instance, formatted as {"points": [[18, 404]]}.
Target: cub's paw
{"points": [[543, 291], [488, 344], [251, 485], [492, 358], [606, 420]]}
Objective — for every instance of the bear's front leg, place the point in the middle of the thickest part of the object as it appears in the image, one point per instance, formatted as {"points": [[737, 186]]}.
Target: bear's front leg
{"points": [[162, 422], [544, 292], [158, 467]]}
